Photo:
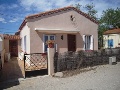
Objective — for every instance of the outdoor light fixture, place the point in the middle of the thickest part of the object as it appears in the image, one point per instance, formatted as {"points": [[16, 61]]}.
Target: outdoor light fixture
{"points": [[62, 37]]}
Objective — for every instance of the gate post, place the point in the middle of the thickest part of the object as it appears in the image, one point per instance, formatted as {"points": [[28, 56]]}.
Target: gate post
{"points": [[51, 52]]}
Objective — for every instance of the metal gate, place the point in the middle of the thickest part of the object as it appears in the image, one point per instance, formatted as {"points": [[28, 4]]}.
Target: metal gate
{"points": [[35, 61]]}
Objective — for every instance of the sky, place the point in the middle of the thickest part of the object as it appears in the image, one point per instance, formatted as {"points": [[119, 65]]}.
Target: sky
{"points": [[13, 12]]}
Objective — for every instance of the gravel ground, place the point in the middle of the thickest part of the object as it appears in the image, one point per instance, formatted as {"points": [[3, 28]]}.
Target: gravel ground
{"points": [[105, 77]]}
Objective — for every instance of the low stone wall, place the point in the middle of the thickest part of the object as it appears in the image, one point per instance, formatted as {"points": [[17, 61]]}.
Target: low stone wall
{"points": [[81, 59]]}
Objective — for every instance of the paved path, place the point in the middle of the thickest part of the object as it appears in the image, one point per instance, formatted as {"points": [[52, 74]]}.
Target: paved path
{"points": [[105, 77]]}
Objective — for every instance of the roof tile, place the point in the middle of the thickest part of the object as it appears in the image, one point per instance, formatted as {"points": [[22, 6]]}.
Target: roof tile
{"points": [[11, 37], [113, 31], [55, 11]]}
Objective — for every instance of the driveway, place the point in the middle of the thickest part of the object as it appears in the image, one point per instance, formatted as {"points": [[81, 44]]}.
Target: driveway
{"points": [[105, 77], [14, 69]]}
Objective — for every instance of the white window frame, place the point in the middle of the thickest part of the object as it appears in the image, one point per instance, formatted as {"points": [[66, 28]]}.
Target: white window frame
{"points": [[48, 39], [25, 43], [88, 42]]}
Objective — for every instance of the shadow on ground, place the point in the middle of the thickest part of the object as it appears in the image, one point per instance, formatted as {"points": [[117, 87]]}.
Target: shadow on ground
{"points": [[36, 73], [14, 70], [11, 72]]}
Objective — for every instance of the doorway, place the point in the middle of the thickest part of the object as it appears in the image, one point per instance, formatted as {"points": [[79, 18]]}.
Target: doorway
{"points": [[13, 48], [71, 42]]}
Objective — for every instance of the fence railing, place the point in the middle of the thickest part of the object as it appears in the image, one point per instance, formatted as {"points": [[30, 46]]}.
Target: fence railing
{"points": [[75, 60], [35, 61]]}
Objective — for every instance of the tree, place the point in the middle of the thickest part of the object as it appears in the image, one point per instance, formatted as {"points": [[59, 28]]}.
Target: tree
{"points": [[110, 19], [89, 8], [78, 6], [91, 11]]}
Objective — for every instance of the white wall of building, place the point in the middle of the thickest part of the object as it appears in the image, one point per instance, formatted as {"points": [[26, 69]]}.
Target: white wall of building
{"points": [[115, 37], [25, 32]]}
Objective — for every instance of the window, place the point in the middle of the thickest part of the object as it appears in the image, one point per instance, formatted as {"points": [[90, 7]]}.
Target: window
{"points": [[48, 37], [88, 42], [25, 43], [72, 18], [110, 43]]}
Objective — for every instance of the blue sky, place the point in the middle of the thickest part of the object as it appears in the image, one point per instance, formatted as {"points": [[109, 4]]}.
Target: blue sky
{"points": [[12, 12]]}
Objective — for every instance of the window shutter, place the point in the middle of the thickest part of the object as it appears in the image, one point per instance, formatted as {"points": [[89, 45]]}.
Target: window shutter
{"points": [[91, 44], [56, 47], [83, 42]]}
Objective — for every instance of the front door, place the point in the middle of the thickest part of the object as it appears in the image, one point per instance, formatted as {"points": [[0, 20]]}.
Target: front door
{"points": [[71, 42], [13, 48]]}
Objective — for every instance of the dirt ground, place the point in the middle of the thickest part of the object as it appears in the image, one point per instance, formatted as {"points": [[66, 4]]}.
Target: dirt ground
{"points": [[13, 69], [104, 77]]}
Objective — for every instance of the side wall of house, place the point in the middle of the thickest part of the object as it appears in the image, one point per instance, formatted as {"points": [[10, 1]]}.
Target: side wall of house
{"points": [[2, 49], [6, 45], [86, 27], [62, 21], [19, 46], [116, 40], [25, 44]]}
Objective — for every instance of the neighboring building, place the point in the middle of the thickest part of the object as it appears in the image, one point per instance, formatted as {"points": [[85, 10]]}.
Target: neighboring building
{"points": [[71, 29], [11, 44], [2, 51], [111, 38], [8, 48]]}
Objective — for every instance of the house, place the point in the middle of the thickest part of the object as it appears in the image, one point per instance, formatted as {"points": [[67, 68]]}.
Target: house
{"points": [[11, 44], [111, 38], [70, 28], [8, 48], [2, 51]]}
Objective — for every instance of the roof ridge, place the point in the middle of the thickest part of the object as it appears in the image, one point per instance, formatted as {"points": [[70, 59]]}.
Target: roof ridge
{"points": [[44, 12], [55, 11]]}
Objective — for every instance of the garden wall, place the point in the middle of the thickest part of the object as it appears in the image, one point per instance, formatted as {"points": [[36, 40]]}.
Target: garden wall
{"points": [[81, 59]]}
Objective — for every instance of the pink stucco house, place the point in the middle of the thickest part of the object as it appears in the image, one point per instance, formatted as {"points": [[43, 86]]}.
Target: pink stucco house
{"points": [[71, 29]]}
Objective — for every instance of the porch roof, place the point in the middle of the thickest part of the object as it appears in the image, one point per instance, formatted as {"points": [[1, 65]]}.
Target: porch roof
{"points": [[12, 37], [47, 30]]}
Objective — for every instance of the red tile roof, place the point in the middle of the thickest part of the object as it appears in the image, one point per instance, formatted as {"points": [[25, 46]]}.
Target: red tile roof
{"points": [[56, 11], [11, 37], [113, 31]]}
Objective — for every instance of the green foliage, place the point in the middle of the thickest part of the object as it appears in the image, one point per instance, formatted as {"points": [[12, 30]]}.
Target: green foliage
{"points": [[89, 8], [110, 19], [91, 11], [78, 6]]}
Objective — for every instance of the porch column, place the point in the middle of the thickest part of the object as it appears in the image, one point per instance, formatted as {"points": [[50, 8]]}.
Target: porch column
{"points": [[51, 52]]}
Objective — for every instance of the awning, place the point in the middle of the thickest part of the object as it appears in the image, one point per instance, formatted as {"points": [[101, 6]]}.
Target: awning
{"points": [[46, 30]]}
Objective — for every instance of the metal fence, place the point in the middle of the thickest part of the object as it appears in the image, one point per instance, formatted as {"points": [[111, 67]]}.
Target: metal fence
{"points": [[75, 60]]}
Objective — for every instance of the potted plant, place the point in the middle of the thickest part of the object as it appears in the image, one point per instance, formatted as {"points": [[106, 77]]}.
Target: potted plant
{"points": [[50, 43]]}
